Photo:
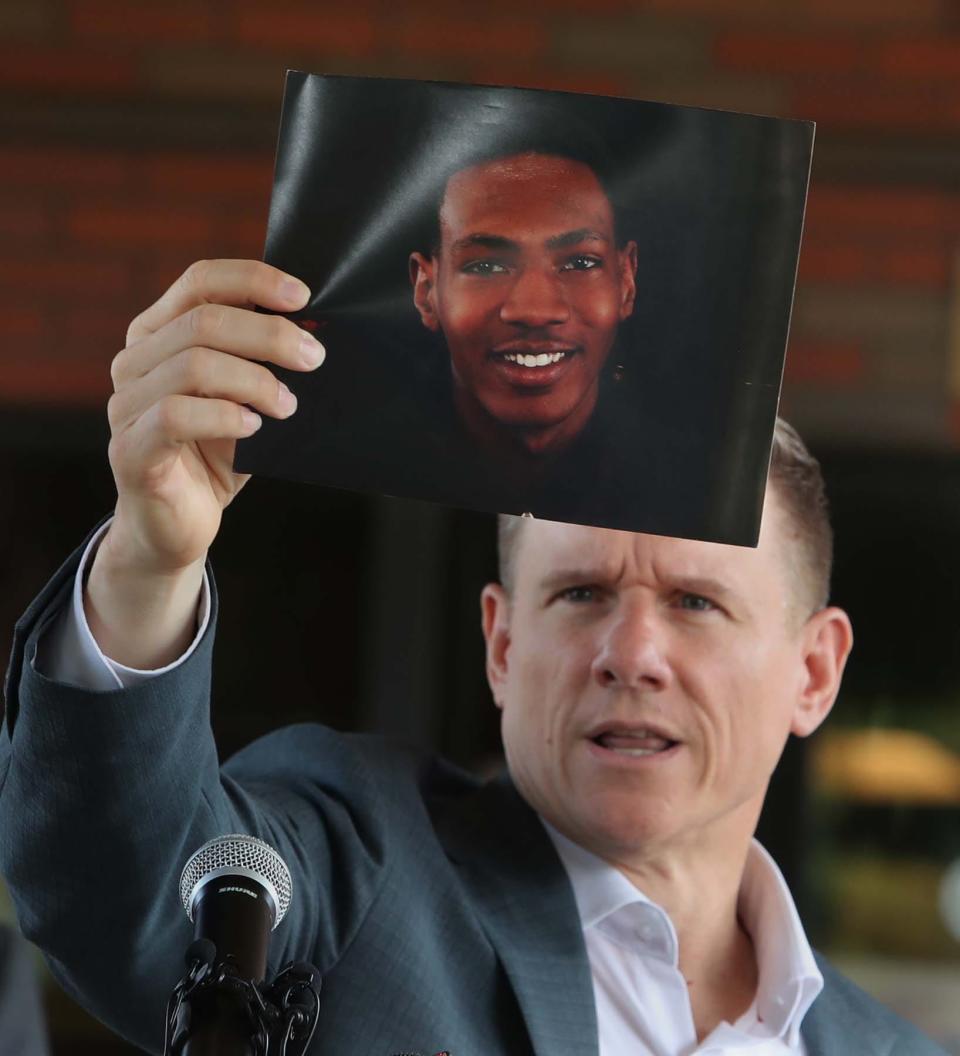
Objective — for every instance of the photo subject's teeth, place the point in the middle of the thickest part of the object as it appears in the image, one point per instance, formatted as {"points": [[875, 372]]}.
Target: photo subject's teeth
{"points": [[542, 359]]}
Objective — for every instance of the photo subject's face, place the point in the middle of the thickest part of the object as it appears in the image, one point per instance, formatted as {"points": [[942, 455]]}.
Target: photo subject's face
{"points": [[530, 287], [648, 683]]}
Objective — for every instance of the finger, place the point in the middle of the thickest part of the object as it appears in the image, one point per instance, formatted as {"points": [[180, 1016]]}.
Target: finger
{"points": [[241, 283], [178, 420], [205, 373], [240, 332]]}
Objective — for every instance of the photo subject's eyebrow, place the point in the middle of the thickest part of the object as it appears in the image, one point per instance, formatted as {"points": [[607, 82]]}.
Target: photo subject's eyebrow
{"points": [[572, 238], [485, 242]]}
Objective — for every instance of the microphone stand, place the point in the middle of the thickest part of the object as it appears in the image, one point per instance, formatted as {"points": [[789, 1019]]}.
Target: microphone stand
{"points": [[214, 1011]]}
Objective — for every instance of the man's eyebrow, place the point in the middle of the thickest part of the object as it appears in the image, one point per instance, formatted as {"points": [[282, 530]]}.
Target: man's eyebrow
{"points": [[568, 577], [572, 238], [598, 575], [485, 242], [710, 588]]}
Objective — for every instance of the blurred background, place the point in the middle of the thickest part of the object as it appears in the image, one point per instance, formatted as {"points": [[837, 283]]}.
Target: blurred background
{"points": [[137, 137]]}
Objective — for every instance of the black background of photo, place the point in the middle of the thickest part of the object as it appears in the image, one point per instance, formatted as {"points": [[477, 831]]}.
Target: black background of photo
{"points": [[714, 200]]}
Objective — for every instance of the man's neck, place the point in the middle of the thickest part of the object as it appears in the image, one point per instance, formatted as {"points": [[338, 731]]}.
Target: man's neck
{"points": [[700, 893]]}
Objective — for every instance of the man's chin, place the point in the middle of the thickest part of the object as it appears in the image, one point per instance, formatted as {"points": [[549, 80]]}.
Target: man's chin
{"points": [[621, 820], [539, 430]]}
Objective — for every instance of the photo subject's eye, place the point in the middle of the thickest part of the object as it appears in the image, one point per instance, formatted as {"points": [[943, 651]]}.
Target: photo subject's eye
{"points": [[582, 262], [484, 267]]}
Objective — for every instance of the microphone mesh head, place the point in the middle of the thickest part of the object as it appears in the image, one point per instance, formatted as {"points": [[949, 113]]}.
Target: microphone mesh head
{"points": [[241, 854]]}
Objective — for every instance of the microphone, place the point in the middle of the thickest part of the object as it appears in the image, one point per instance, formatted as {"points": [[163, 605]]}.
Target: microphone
{"points": [[235, 889]]}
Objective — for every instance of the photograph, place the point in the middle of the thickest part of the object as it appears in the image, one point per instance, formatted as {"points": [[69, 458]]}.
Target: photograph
{"points": [[536, 302]]}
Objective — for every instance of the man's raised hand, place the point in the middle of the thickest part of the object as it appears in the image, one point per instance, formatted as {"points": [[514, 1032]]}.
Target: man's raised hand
{"points": [[187, 386]]}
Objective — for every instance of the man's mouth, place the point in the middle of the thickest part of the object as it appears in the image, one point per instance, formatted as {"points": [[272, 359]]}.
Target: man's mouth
{"points": [[533, 366], [633, 742], [539, 359]]}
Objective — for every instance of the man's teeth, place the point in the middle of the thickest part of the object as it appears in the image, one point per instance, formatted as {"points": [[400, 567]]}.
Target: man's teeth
{"points": [[634, 744], [543, 359]]}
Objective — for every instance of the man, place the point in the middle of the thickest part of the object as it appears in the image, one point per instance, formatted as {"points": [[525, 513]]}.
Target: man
{"points": [[528, 284], [603, 898]]}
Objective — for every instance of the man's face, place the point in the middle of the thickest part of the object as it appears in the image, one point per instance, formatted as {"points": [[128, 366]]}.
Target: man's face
{"points": [[528, 287], [648, 684]]}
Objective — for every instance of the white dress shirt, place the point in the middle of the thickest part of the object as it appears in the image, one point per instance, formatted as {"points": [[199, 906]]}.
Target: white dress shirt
{"points": [[643, 1007], [68, 652]]}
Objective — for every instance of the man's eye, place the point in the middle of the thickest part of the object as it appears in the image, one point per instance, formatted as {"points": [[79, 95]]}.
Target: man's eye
{"points": [[582, 262], [484, 267], [579, 595], [696, 603]]}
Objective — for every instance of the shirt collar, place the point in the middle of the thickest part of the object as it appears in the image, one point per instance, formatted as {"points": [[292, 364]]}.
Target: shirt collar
{"points": [[789, 979], [598, 887]]}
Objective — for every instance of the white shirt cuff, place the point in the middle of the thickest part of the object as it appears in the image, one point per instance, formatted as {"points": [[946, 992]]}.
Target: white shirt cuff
{"points": [[68, 652]]}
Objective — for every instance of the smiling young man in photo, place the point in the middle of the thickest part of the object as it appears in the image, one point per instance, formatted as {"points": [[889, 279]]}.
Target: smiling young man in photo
{"points": [[528, 285]]}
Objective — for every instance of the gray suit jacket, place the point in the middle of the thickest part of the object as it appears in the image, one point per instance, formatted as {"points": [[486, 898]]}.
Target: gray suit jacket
{"points": [[22, 1031], [436, 906]]}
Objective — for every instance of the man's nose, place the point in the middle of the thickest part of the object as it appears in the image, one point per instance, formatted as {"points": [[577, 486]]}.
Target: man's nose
{"points": [[535, 299], [632, 651]]}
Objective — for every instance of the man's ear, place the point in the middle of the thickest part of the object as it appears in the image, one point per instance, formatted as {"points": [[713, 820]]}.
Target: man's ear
{"points": [[628, 279], [422, 278], [495, 616], [827, 641]]}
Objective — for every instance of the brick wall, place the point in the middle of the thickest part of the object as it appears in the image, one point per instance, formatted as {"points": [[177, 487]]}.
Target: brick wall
{"points": [[138, 137]]}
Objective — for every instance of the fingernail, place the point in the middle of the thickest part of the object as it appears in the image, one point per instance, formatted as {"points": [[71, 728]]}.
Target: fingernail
{"points": [[311, 351], [288, 402], [295, 292], [251, 420]]}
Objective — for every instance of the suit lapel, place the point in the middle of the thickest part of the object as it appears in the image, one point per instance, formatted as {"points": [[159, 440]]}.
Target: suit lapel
{"points": [[842, 1021], [526, 906], [820, 1035]]}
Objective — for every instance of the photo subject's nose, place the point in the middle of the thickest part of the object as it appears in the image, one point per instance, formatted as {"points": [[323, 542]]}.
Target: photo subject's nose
{"points": [[535, 299]]}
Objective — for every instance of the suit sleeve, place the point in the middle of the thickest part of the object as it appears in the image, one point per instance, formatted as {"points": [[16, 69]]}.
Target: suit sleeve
{"points": [[104, 795], [21, 1016]]}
